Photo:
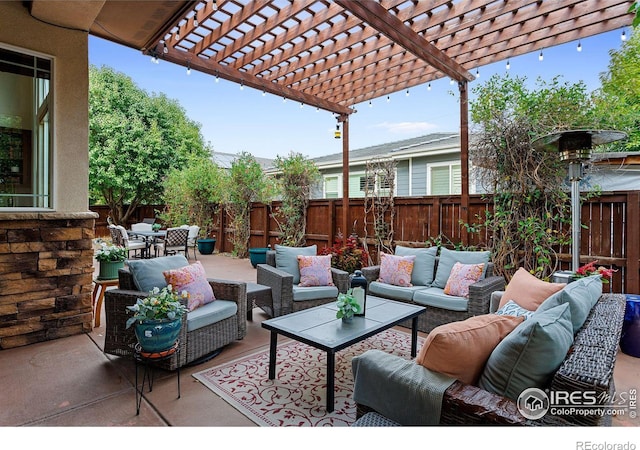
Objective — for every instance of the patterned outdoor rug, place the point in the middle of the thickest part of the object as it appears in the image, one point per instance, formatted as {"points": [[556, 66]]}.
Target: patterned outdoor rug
{"points": [[297, 397]]}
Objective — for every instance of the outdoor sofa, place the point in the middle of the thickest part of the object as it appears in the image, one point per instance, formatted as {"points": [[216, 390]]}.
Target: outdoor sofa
{"points": [[428, 279], [587, 366], [204, 330]]}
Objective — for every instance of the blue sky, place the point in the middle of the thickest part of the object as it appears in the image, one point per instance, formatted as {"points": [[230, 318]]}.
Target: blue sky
{"points": [[235, 120]]}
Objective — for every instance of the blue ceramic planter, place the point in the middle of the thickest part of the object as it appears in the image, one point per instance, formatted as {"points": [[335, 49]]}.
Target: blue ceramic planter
{"points": [[157, 335], [258, 255]]}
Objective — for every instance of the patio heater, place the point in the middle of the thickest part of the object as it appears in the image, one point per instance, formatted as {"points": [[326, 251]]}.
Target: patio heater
{"points": [[575, 148]]}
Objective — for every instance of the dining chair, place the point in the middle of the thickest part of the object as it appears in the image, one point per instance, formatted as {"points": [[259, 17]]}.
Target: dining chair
{"points": [[174, 242], [135, 245], [192, 241], [149, 220]]}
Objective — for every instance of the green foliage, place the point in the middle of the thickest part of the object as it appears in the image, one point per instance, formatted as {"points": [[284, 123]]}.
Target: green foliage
{"points": [[193, 193], [532, 210], [347, 305], [135, 139], [298, 174], [349, 256], [160, 304], [618, 99], [635, 8], [245, 184]]}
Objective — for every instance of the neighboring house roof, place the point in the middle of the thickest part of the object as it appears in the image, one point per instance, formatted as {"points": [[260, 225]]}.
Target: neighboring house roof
{"points": [[431, 144], [224, 160]]}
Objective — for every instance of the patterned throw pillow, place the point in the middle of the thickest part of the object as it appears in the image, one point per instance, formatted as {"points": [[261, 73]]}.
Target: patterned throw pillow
{"points": [[462, 276], [511, 308], [396, 270], [192, 279], [315, 270]]}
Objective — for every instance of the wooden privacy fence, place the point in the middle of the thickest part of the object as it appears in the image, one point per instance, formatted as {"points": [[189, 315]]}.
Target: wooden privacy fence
{"points": [[611, 234]]}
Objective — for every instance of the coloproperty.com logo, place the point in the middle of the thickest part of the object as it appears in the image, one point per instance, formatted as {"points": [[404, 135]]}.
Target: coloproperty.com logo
{"points": [[534, 403]]}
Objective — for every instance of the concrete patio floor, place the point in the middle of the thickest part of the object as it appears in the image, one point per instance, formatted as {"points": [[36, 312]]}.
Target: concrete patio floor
{"points": [[71, 382]]}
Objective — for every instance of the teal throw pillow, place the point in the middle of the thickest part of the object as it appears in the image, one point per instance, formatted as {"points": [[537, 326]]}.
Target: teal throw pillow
{"points": [[581, 295], [449, 257], [423, 265], [287, 259], [147, 273], [529, 355]]}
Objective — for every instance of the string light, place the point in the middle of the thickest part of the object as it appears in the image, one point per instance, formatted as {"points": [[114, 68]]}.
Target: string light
{"points": [[407, 92], [154, 58], [264, 93], [301, 105], [370, 104], [451, 81], [579, 48], [508, 65], [177, 35], [242, 85], [284, 99], [429, 87], [540, 56], [623, 36], [217, 77], [188, 68], [388, 99], [477, 73], [165, 49], [215, 5], [195, 18]]}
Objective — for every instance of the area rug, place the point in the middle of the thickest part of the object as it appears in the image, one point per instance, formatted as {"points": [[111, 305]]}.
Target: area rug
{"points": [[297, 397]]}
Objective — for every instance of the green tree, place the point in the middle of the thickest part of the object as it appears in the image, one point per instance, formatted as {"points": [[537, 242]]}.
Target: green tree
{"points": [[135, 139], [297, 176], [531, 207], [193, 193], [246, 183], [618, 99]]}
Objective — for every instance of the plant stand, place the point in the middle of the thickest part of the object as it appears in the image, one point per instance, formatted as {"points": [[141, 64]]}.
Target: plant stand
{"points": [[149, 360]]}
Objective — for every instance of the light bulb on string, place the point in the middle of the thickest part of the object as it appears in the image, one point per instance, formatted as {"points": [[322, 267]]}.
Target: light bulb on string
{"points": [[407, 94], [370, 104], [264, 93], [540, 56], [388, 99], [242, 85], [188, 68], [623, 36], [195, 19], [579, 47], [429, 87], [508, 65], [451, 81], [165, 49], [477, 73], [177, 35], [215, 5]]}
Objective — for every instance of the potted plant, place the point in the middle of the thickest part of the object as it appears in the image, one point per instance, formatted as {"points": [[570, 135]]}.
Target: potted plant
{"points": [[157, 318], [111, 259], [348, 306]]}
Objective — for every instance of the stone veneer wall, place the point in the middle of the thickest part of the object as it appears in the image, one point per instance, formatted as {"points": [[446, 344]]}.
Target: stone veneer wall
{"points": [[46, 275]]}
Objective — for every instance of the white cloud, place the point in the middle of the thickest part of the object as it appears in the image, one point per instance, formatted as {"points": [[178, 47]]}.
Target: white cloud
{"points": [[406, 127]]}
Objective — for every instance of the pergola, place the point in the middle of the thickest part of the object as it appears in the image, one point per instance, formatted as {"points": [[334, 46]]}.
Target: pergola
{"points": [[335, 54]]}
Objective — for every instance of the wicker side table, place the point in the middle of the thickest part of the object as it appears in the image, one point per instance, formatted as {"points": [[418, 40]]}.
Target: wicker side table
{"points": [[257, 294]]}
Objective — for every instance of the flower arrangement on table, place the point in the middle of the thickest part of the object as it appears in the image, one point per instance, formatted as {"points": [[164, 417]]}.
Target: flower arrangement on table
{"points": [[591, 269], [111, 253], [348, 256], [160, 304], [348, 306]]}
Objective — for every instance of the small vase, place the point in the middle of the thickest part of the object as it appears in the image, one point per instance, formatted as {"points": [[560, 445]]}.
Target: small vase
{"points": [[109, 269], [157, 335], [347, 319]]}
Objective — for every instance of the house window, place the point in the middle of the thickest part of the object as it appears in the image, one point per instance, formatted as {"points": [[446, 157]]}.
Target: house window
{"points": [[331, 187], [444, 179], [25, 131]]}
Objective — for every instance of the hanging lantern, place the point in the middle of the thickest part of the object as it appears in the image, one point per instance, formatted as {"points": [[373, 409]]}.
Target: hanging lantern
{"points": [[336, 134]]}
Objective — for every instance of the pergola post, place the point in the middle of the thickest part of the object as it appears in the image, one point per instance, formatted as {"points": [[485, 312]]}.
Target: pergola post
{"points": [[464, 159], [345, 174]]}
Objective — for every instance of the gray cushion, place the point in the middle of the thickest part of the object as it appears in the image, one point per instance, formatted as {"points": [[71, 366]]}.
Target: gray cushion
{"points": [[436, 298], [581, 295], [423, 265], [287, 259], [449, 257], [304, 293], [385, 290], [147, 273], [211, 313], [530, 354]]}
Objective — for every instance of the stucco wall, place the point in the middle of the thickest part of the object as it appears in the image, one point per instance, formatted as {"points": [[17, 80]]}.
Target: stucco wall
{"points": [[70, 98]]}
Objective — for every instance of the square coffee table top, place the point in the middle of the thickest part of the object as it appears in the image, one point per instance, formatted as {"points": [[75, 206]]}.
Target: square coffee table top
{"points": [[319, 327]]}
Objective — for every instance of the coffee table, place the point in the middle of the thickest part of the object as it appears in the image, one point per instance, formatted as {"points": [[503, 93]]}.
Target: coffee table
{"points": [[319, 328]]}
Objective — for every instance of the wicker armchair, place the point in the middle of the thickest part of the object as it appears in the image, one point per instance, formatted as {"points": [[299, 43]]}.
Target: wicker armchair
{"points": [[281, 284], [194, 344], [479, 299], [588, 366]]}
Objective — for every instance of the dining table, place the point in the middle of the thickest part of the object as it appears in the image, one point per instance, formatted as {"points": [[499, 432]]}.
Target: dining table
{"points": [[150, 237]]}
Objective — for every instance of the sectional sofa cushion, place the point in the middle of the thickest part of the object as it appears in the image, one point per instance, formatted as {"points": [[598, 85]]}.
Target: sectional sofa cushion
{"points": [[287, 259], [403, 293], [581, 295], [211, 313], [436, 298], [530, 354], [527, 290], [461, 349], [423, 265], [147, 273], [301, 294], [449, 257]]}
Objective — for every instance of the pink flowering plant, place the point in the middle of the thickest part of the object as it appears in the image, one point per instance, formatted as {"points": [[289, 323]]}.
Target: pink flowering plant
{"points": [[591, 269], [160, 304]]}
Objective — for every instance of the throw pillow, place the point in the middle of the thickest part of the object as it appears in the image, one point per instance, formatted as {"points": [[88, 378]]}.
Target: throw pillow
{"points": [[287, 259], [462, 276], [530, 354], [396, 270], [424, 264], [192, 279], [527, 290], [461, 349], [147, 273], [449, 257], [511, 308], [315, 270], [581, 295]]}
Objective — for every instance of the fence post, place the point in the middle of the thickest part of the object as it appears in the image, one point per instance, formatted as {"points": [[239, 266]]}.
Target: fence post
{"points": [[633, 242]]}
